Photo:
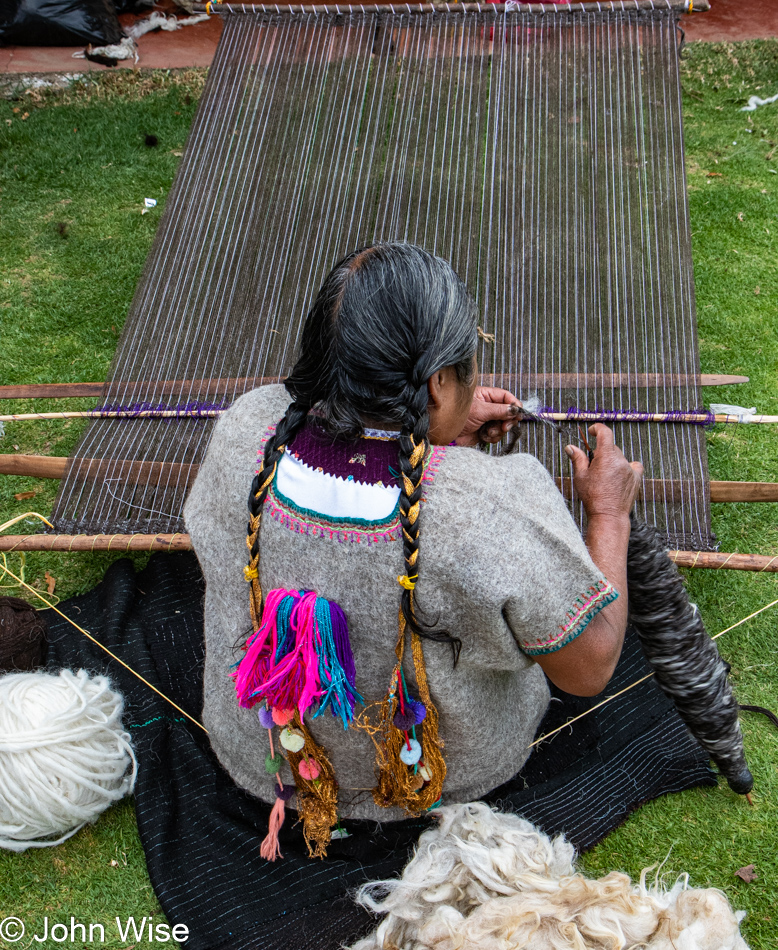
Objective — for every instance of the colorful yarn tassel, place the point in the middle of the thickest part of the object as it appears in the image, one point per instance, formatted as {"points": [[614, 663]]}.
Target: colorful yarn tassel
{"points": [[270, 848], [301, 656], [260, 653], [337, 672]]}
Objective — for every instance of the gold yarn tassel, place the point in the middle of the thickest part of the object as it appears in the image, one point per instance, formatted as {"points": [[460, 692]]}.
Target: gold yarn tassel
{"points": [[397, 783], [317, 799]]}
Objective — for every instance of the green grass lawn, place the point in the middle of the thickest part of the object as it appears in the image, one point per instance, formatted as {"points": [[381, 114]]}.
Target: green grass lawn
{"points": [[74, 170]]}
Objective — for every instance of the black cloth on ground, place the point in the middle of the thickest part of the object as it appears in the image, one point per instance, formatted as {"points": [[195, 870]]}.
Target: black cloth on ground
{"points": [[201, 833]]}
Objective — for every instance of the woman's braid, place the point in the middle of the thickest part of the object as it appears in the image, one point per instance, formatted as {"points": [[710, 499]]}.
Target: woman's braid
{"points": [[414, 448], [414, 445], [286, 430]]}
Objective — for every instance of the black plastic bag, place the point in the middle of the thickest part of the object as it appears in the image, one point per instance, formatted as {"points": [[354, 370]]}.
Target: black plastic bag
{"points": [[58, 23], [133, 6]]}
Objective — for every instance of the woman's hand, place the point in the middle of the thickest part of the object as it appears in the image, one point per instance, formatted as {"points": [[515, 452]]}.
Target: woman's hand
{"points": [[493, 412], [609, 484]]}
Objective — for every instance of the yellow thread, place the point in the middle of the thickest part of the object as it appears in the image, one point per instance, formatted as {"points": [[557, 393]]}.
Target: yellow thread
{"points": [[97, 643], [250, 573], [173, 541], [768, 564], [407, 582], [641, 680], [761, 610], [723, 563], [27, 514]]}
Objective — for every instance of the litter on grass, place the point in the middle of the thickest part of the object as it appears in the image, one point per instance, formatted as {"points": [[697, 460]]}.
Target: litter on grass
{"points": [[743, 415], [754, 102], [126, 48]]}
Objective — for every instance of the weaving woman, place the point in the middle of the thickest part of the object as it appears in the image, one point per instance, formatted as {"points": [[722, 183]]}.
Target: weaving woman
{"points": [[370, 499]]}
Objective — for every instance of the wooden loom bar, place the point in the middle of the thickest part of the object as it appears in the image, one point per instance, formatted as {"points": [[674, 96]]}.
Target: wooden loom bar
{"points": [[139, 473], [506, 380], [151, 473], [606, 6], [713, 560], [95, 542], [718, 560], [655, 489]]}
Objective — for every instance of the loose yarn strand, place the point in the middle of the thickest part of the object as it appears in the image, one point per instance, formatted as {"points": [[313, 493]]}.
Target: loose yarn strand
{"points": [[648, 676], [113, 656]]}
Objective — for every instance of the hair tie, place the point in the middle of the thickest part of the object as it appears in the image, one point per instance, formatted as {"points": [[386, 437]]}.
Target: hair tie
{"points": [[407, 582], [250, 573]]}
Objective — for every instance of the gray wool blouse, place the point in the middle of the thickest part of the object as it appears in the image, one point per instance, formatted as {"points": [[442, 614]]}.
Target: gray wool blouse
{"points": [[502, 566]]}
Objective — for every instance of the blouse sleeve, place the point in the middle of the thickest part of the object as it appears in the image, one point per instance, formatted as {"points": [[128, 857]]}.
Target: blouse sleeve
{"points": [[557, 588]]}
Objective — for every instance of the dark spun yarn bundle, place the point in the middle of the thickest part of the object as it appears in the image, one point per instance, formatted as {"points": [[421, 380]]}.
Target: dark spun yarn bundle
{"points": [[22, 636], [684, 659]]}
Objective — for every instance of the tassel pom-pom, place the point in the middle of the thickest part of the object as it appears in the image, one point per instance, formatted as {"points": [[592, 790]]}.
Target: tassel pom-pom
{"points": [[273, 763], [285, 793], [404, 720], [309, 769], [410, 752], [270, 848], [282, 717], [266, 718], [419, 711]]}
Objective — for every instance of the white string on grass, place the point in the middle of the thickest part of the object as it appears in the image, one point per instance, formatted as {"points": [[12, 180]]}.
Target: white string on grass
{"points": [[64, 755]]}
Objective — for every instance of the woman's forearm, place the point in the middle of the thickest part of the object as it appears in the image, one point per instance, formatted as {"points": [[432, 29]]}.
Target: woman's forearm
{"points": [[607, 539]]}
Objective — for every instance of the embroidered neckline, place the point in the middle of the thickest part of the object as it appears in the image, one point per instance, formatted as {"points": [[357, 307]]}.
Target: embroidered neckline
{"points": [[303, 520]]}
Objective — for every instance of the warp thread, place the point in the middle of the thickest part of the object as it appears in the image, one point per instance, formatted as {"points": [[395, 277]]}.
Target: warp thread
{"points": [[22, 636], [64, 756], [684, 659]]}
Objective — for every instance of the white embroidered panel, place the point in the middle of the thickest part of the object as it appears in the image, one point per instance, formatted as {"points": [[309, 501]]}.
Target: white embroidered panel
{"points": [[332, 496]]}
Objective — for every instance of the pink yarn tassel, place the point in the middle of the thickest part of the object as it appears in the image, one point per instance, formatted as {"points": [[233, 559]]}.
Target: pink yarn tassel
{"points": [[295, 680], [259, 659], [305, 620], [270, 849]]}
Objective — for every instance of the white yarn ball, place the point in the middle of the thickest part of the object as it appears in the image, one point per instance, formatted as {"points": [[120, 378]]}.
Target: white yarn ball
{"points": [[64, 755]]}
